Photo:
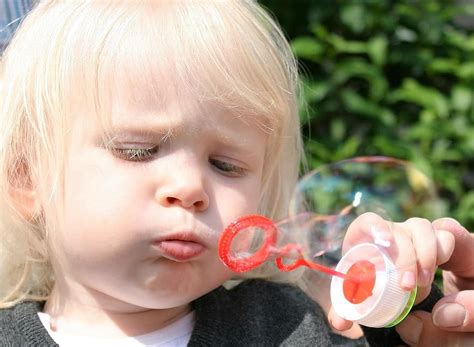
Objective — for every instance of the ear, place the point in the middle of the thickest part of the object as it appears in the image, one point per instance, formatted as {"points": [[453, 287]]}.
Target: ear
{"points": [[25, 202], [24, 197]]}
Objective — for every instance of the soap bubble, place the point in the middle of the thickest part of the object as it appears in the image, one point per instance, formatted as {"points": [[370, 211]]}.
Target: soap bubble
{"points": [[336, 194], [341, 222]]}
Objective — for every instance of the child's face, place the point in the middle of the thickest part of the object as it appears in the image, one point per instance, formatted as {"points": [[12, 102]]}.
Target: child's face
{"points": [[142, 218]]}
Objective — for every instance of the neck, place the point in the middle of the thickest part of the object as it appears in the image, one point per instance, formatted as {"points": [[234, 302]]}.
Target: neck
{"points": [[96, 315]]}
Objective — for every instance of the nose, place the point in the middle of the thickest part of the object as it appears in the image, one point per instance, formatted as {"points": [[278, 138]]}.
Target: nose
{"points": [[184, 187]]}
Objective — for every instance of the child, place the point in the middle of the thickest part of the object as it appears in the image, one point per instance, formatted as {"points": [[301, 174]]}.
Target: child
{"points": [[132, 134]]}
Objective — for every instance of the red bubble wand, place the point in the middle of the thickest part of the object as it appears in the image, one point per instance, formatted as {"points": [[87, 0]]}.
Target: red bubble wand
{"points": [[359, 280]]}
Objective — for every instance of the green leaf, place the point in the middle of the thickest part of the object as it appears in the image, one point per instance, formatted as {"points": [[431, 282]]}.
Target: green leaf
{"points": [[465, 208], [404, 34], [462, 98], [442, 151], [459, 39], [427, 117], [449, 179], [345, 46], [407, 10], [308, 48], [355, 103], [353, 15], [443, 65], [414, 92], [338, 129], [466, 71], [377, 49], [391, 147], [348, 149], [467, 144], [356, 67], [316, 149], [320, 31], [316, 91]]}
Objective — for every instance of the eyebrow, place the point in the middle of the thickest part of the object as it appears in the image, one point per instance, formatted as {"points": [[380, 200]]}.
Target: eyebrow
{"points": [[156, 128], [152, 128], [139, 132]]}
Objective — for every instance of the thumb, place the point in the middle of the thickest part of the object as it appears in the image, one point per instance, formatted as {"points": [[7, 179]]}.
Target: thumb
{"points": [[418, 330], [455, 312], [338, 322], [460, 262]]}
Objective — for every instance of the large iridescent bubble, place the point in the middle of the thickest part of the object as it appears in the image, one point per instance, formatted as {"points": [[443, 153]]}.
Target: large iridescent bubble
{"points": [[341, 222], [327, 200]]}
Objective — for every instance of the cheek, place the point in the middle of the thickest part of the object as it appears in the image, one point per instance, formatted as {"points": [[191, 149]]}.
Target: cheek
{"points": [[96, 210], [234, 203]]}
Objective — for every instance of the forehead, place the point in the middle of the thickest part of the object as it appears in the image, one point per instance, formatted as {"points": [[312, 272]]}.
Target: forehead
{"points": [[173, 116], [199, 53]]}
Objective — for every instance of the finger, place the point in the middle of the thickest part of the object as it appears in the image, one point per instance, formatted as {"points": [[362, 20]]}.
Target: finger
{"points": [[368, 227], [410, 329], [455, 312], [445, 242], [405, 259], [424, 241], [418, 330], [338, 322], [459, 262], [453, 284]]}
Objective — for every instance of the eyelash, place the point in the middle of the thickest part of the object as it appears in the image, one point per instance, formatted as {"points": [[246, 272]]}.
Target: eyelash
{"points": [[147, 154], [227, 168], [136, 154]]}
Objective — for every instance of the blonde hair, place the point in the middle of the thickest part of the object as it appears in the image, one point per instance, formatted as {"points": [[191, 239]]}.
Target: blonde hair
{"points": [[68, 53]]}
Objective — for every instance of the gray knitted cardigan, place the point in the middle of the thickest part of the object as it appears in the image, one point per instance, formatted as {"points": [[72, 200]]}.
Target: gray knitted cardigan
{"points": [[254, 313]]}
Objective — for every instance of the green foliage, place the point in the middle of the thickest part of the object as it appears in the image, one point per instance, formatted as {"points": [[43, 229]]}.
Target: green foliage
{"points": [[391, 78]]}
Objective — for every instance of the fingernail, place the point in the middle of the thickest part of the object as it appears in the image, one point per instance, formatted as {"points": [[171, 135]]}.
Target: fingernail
{"points": [[408, 280], [455, 221], [410, 330], [332, 325], [447, 220], [449, 315]]}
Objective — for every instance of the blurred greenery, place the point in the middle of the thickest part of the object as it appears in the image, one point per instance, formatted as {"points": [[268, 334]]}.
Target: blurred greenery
{"points": [[392, 78]]}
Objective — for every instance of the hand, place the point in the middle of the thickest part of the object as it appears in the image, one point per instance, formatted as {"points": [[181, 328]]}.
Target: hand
{"points": [[452, 319], [415, 246]]}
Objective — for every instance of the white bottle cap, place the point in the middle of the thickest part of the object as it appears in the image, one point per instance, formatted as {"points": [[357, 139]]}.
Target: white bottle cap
{"points": [[387, 304]]}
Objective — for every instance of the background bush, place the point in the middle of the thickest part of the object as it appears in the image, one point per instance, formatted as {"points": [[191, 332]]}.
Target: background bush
{"points": [[391, 78]]}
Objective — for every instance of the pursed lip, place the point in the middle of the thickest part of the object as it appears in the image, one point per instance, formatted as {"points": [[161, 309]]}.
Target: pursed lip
{"points": [[181, 246]]}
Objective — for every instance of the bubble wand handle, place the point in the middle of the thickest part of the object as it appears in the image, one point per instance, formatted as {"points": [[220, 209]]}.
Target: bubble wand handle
{"points": [[300, 261]]}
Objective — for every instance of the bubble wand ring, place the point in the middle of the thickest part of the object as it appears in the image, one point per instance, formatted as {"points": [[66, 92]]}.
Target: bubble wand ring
{"points": [[260, 256]]}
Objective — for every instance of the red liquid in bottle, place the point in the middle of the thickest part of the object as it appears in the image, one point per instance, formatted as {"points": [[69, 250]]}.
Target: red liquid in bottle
{"points": [[359, 281]]}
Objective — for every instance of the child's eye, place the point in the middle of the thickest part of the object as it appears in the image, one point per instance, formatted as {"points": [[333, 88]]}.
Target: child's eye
{"points": [[135, 154], [227, 168]]}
